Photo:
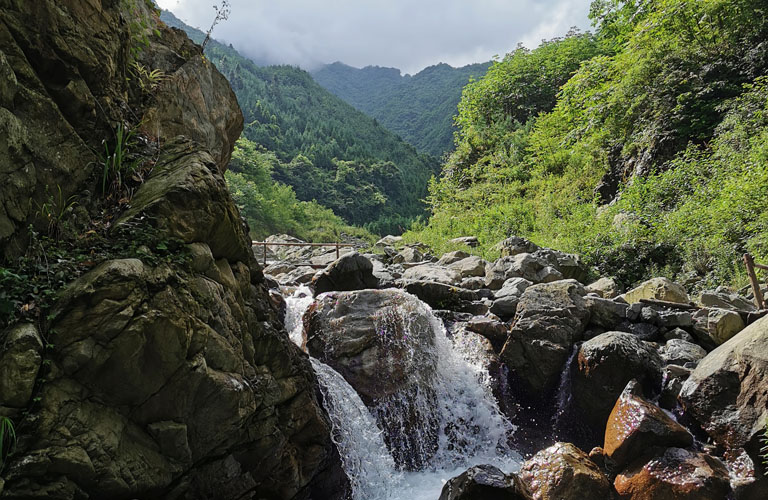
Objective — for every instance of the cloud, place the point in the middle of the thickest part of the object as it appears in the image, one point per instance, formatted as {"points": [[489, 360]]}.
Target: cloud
{"points": [[406, 34]]}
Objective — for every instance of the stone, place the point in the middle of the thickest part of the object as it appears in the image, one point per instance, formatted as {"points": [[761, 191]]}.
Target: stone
{"points": [[657, 289], [439, 295], [717, 325], [550, 318], [432, 272], [568, 266], [564, 472], [643, 331], [350, 272], [474, 283], [451, 257], [606, 364], [470, 241], [508, 296], [515, 245], [679, 333], [389, 241], [172, 439], [469, 267], [495, 331], [675, 474], [727, 395], [680, 352], [21, 351], [409, 255], [485, 482], [523, 265], [636, 425], [673, 377], [606, 288], [606, 313], [724, 299]]}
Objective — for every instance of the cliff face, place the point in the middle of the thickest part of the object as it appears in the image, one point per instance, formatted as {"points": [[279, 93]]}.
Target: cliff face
{"points": [[147, 378]]}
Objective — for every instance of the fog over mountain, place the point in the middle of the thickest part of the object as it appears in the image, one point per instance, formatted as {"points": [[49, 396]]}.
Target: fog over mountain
{"points": [[405, 34]]}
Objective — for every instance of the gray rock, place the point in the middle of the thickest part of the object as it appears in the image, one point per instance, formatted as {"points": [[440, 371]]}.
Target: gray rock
{"points": [[606, 313], [673, 378], [389, 241], [658, 289], [515, 245], [607, 288], [680, 352], [451, 257], [717, 325], [679, 333], [508, 296], [470, 241], [474, 283], [724, 299], [439, 295], [522, 265], [350, 272], [409, 255], [485, 482], [469, 267], [21, 350], [432, 272]]}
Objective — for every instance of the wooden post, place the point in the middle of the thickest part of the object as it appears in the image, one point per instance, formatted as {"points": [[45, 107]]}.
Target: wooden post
{"points": [[265, 253], [337, 251], [750, 263]]}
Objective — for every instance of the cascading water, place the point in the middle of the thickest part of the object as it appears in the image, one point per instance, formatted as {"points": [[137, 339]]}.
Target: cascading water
{"points": [[458, 423]]}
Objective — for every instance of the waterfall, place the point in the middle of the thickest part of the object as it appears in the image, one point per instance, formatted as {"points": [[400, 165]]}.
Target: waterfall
{"points": [[462, 424]]}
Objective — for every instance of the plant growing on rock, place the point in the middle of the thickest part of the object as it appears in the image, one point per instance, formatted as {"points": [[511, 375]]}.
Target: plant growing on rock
{"points": [[222, 14], [7, 439], [54, 210], [147, 79], [116, 164]]}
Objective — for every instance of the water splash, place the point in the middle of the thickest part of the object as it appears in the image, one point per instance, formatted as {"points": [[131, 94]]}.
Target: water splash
{"points": [[296, 305]]}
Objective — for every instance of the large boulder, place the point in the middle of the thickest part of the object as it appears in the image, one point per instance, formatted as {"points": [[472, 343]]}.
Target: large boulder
{"points": [[21, 350], [606, 364], [725, 299], [469, 266], [408, 255], [680, 352], [657, 289], [440, 295], [485, 482], [550, 318], [523, 265], [570, 266], [606, 313], [676, 474], [715, 326], [564, 472], [433, 273], [727, 393], [451, 257], [637, 425], [350, 272], [508, 296], [515, 245], [606, 288]]}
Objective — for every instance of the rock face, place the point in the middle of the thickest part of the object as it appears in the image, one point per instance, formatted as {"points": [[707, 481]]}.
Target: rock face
{"points": [[659, 289], [637, 425], [550, 318], [20, 358], [564, 472], [727, 393], [606, 364], [350, 272], [164, 380], [676, 473], [485, 482]]}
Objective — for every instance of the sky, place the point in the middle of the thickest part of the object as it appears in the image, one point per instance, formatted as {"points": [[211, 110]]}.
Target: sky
{"points": [[405, 34]]}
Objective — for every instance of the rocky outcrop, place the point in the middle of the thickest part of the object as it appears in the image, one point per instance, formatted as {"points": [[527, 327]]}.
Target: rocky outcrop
{"points": [[727, 395], [675, 473], [350, 272], [564, 472], [163, 378], [657, 289], [20, 359], [715, 326], [486, 482]]}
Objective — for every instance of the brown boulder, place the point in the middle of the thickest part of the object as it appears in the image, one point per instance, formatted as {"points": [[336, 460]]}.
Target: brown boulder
{"points": [[564, 472], [485, 482]]}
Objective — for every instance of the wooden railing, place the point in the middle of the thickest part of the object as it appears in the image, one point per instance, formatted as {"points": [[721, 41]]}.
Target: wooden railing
{"points": [[265, 244], [756, 291]]}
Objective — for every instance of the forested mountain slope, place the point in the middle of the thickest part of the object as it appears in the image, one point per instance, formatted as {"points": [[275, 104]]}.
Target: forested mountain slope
{"points": [[420, 108], [642, 147], [324, 148]]}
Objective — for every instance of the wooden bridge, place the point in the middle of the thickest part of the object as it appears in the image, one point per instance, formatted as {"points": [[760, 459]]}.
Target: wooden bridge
{"points": [[265, 244]]}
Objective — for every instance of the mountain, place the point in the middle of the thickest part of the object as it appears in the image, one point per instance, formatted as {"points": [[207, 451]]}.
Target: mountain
{"points": [[420, 108], [326, 150]]}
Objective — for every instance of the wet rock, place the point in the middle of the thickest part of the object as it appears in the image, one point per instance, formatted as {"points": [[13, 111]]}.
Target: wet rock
{"points": [[21, 350], [485, 482], [440, 295], [564, 472], [433, 273], [606, 288], [675, 473], [673, 377], [350, 272], [658, 289], [680, 352], [636, 425], [451, 257], [606, 313], [727, 395], [550, 318], [469, 267], [717, 325], [606, 364], [493, 330], [470, 241]]}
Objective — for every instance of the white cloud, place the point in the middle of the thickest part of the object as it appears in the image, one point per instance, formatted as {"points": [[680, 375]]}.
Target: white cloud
{"points": [[407, 34]]}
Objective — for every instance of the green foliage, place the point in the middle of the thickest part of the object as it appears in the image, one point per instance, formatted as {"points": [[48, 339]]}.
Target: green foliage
{"points": [[325, 149], [272, 207], [54, 210], [117, 164], [419, 108], [140, 25], [7, 439], [147, 79], [666, 102]]}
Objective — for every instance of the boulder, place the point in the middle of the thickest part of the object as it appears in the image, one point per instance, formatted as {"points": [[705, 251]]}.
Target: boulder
{"points": [[515, 245], [606, 313], [676, 474], [350, 272], [451, 257], [657, 289], [474, 283], [569, 266], [440, 295], [606, 288], [21, 351], [470, 241], [492, 329], [550, 318], [409, 255], [606, 364], [523, 265], [389, 241], [508, 296], [432, 272], [717, 325], [679, 333], [673, 377], [469, 266], [725, 299], [727, 395], [680, 352], [564, 472], [485, 482], [636, 425]]}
